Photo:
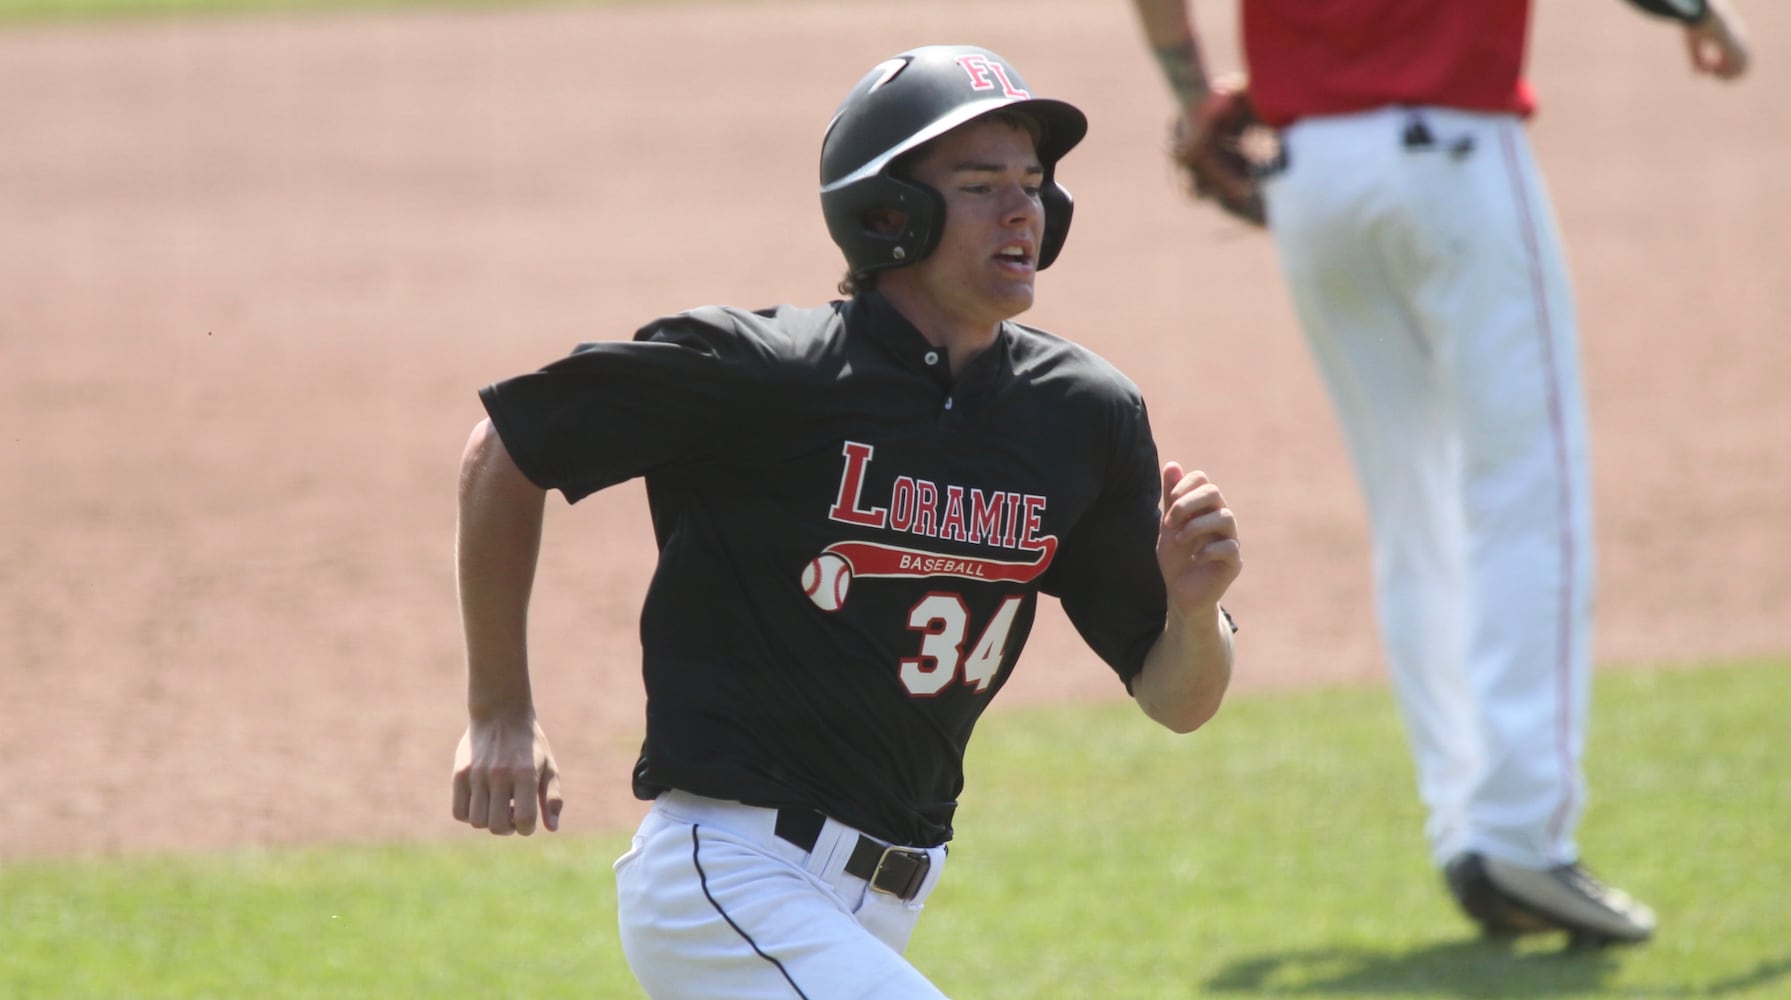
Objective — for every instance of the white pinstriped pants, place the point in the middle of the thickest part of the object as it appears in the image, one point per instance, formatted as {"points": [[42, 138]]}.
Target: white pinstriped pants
{"points": [[1432, 291], [712, 903]]}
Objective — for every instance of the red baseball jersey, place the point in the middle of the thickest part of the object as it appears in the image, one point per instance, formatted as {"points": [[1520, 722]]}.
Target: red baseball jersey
{"points": [[1327, 57]]}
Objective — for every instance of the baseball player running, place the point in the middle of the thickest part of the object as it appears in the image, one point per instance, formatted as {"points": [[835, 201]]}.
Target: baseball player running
{"points": [[857, 506], [1421, 253]]}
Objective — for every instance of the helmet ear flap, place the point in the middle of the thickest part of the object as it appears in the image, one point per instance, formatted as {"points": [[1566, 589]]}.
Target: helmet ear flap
{"points": [[848, 210], [1059, 207], [899, 106]]}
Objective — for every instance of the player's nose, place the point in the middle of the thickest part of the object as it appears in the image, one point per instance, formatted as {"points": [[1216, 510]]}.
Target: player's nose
{"points": [[1021, 209]]}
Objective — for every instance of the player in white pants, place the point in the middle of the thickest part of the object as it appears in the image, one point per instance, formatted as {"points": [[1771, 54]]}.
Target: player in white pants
{"points": [[1421, 253], [1466, 424], [695, 857], [857, 506]]}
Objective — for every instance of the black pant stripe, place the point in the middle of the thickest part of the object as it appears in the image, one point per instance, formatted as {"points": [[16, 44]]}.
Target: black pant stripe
{"points": [[695, 846]]}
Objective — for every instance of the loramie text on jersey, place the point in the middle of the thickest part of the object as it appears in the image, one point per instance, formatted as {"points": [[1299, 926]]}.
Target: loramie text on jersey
{"points": [[952, 512]]}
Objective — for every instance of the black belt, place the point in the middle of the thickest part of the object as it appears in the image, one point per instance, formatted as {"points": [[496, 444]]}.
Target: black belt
{"points": [[897, 871]]}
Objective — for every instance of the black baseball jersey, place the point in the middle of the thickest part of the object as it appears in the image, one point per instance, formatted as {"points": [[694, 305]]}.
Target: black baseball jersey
{"points": [[851, 541]]}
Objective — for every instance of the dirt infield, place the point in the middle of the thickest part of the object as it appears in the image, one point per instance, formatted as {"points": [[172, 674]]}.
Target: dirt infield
{"points": [[252, 271]]}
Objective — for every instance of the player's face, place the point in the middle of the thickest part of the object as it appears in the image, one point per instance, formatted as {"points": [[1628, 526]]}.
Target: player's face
{"points": [[989, 174]]}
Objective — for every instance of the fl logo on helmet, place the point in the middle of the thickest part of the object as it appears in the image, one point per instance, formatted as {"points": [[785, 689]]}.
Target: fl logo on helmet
{"points": [[987, 75]]}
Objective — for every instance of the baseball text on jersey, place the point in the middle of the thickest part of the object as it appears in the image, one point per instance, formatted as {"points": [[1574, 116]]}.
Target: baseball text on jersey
{"points": [[872, 559]]}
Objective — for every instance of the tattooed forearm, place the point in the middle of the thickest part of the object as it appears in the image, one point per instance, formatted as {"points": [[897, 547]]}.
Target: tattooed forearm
{"points": [[1183, 69]]}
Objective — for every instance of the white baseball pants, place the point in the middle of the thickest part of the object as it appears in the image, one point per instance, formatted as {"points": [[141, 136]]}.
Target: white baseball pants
{"points": [[712, 903], [1429, 282]]}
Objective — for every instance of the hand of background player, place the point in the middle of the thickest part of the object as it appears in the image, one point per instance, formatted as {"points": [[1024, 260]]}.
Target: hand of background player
{"points": [[1197, 541], [1218, 145], [505, 776], [1716, 44]]}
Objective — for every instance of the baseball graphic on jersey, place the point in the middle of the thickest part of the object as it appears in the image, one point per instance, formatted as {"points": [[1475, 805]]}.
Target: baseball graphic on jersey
{"points": [[825, 580]]}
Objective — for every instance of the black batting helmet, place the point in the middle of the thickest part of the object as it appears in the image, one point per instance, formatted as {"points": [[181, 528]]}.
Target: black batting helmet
{"points": [[904, 102]]}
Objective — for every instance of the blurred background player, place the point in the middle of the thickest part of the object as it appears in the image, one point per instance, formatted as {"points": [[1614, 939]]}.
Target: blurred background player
{"points": [[857, 506], [1421, 253]]}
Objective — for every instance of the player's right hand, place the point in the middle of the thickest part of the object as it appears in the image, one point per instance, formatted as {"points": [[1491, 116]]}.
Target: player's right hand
{"points": [[505, 777]]}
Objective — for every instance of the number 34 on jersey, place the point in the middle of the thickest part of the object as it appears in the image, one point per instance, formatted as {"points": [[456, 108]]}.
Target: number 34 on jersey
{"points": [[921, 507]]}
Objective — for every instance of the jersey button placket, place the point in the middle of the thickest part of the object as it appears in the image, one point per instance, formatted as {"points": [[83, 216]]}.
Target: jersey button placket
{"points": [[933, 362]]}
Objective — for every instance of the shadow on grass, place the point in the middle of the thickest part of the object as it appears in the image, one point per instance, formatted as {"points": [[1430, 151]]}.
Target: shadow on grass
{"points": [[1466, 969]]}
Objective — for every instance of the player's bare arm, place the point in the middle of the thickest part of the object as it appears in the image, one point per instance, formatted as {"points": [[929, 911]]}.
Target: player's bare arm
{"points": [[1188, 670], [504, 772], [1169, 31], [1206, 144]]}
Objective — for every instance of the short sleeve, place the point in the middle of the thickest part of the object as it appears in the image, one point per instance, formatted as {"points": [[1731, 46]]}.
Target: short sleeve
{"points": [[683, 391], [1106, 575]]}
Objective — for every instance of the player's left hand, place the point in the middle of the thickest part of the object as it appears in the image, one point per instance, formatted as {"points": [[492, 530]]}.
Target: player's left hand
{"points": [[1218, 145], [1197, 541]]}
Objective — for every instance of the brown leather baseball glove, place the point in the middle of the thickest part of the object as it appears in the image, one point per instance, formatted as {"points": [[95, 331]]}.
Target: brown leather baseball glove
{"points": [[1222, 162]]}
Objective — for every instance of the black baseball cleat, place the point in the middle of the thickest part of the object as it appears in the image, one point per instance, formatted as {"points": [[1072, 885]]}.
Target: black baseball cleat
{"points": [[1498, 916], [1508, 900]]}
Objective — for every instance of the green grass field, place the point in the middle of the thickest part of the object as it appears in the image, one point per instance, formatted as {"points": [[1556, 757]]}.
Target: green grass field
{"points": [[1276, 853]]}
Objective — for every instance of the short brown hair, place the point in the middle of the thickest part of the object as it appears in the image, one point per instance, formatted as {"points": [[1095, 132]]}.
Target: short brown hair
{"points": [[851, 284]]}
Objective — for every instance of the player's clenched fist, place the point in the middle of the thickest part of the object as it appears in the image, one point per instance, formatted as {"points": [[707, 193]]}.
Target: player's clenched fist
{"points": [[1188, 669], [1197, 542], [505, 777]]}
